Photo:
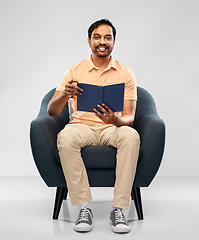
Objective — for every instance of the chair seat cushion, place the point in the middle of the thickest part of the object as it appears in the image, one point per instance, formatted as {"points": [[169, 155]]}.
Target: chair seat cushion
{"points": [[96, 156]]}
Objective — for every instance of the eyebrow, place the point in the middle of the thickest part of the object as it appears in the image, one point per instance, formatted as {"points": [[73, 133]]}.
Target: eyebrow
{"points": [[97, 34]]}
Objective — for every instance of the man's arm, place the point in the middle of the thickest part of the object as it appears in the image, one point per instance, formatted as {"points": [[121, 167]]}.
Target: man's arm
{"points": [[60, 98], [110, 117]]}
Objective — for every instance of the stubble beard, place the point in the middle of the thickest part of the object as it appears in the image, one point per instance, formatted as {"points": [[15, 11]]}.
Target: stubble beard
{"points": [[101, 55]]}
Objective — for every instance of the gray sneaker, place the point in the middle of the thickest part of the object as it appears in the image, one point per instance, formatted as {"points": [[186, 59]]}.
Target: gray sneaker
{"points": [[118, 222], [84, 221]]}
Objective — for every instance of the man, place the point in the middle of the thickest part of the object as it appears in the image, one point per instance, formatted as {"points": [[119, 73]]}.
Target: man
{"points": [[106, 128]]}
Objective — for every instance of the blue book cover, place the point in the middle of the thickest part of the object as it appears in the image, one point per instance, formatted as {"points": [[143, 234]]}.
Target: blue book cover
{"points": [[112, 95]]}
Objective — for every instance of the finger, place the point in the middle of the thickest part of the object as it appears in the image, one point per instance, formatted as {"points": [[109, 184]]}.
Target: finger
{"points": [[102, 109], [73, 81], [79, 89], [73, 89], [107, 108], [99, 114], [76, 92], [72, 93]]}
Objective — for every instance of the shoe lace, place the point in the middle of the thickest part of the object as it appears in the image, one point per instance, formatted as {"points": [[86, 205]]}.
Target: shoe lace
{"points": [[84, 213], [119, 216]]}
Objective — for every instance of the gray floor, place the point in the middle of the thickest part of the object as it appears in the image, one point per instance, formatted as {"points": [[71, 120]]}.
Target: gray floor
{"points": [[171, 211]]}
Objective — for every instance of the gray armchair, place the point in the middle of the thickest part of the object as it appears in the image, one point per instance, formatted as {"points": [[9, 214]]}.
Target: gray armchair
{"points": [[101, 172]]}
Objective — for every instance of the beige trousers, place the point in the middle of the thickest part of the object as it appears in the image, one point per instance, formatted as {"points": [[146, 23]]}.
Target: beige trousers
{"points": [[76, 136]]}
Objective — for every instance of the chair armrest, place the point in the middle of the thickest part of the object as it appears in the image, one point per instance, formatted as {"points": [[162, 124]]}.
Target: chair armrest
{"points": [[43, 138], [152, 135]]}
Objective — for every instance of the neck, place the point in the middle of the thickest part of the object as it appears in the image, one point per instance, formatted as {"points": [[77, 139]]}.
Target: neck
{"points": [[100, 62]]}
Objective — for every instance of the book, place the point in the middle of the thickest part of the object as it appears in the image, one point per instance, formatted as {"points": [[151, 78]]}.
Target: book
{"points": [[112, 95]]}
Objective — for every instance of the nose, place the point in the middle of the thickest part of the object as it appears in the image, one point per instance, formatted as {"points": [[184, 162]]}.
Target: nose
{"points": [[102, 40]]}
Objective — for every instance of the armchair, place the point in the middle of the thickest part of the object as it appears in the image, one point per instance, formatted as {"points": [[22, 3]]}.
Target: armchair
{"points": [[101, 172]]}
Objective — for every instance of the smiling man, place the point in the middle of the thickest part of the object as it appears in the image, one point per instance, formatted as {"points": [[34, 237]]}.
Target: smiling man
{"points": [[102, 41], [106, 128]]}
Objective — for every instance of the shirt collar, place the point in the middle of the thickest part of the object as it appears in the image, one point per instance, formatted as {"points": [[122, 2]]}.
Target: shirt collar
{"points": [[112, 64]]}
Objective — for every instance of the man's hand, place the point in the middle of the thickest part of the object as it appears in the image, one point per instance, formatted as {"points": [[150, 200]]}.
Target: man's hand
{"points": [[108, 116], [72, 89], [60, 98]]}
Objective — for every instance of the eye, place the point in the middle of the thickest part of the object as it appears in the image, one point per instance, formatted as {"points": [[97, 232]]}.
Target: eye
{"points": [[96, 37], [109, 38]]}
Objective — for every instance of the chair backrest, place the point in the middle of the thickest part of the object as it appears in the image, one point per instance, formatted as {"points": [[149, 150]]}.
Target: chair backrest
{"points": [[145, 106], [145, 103], [151, 129], [63, 117]]}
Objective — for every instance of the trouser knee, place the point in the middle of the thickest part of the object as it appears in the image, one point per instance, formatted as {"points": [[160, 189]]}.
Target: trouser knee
{"points": [[128, 134], [66, 138]]}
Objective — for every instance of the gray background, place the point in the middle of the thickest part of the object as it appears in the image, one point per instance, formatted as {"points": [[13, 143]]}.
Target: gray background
{"points": [[40, 39]]}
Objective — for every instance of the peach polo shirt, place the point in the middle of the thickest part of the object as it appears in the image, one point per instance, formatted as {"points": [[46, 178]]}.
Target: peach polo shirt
{"points": [[86, 72]]}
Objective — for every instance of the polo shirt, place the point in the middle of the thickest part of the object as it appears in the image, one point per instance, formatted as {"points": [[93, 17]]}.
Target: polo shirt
{"points": [[86, 72]]}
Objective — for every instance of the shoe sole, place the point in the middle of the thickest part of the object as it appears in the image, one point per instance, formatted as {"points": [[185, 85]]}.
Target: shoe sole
{"points": [[120, 229], [83, 227]]}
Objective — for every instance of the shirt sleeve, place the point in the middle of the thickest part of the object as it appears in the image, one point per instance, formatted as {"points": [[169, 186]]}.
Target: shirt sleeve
{"points": [[130, 92], [65, 78]]}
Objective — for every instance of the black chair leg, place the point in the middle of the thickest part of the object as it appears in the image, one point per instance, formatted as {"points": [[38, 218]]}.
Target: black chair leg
{"points": [[61, 194], [65, 193], [136, 196]]}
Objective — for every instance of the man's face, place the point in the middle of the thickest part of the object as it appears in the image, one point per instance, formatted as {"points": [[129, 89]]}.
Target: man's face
{"points": [[102, 41]]}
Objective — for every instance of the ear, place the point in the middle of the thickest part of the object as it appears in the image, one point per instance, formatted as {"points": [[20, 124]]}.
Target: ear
{"points": [[89, 42]]}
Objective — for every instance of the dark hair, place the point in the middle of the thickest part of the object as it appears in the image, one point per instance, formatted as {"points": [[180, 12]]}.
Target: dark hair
{"points": [[101, 22]]}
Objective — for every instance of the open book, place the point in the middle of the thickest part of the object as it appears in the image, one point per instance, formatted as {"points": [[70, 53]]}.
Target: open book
{"points": [[112, 95]]}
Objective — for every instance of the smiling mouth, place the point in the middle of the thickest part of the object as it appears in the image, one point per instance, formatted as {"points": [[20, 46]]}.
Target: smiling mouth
{"points": [[102, 49]]}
